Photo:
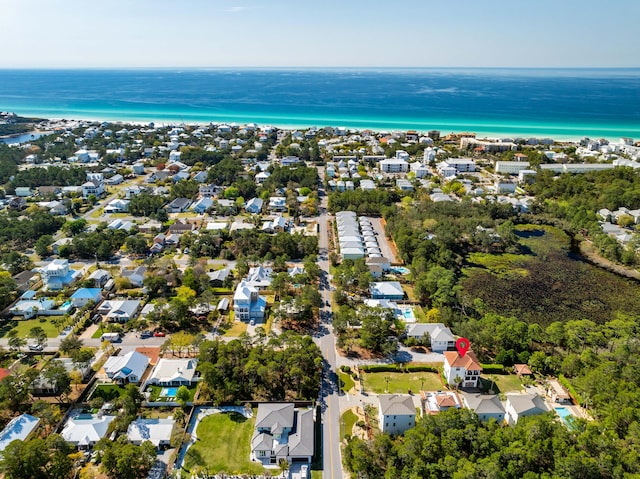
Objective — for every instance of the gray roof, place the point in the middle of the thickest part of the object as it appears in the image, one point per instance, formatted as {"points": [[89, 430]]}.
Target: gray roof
{"points": [[527, 403], [270, 415], [484, 404], [396, 404], [301, 443]]}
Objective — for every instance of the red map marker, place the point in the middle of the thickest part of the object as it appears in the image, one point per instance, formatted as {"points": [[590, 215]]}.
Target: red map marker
{"points": [[462, 345]]}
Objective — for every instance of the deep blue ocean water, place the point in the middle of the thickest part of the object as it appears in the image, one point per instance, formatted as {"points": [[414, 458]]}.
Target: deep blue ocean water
{"points": [[507, 102]]}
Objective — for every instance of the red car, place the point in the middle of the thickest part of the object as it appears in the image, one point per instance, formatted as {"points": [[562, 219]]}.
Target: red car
{"points": [[159, 334]]}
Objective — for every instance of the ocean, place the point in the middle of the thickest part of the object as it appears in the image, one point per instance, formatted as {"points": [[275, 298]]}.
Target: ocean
{"points": [[557, 103]]}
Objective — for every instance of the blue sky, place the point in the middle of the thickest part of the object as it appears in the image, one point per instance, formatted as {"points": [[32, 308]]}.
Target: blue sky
{"points": [[280, 33]]}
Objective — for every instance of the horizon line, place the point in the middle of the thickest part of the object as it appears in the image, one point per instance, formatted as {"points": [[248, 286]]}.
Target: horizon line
{"points": [[325, 67]]}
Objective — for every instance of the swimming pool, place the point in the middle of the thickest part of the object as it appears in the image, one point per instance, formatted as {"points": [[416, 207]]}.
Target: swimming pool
{"points": [[399, 270], [66, 304], [407, 314], [565, 415], [168, 392]]}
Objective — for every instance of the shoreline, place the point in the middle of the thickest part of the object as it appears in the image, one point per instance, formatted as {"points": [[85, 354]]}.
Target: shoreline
{"points": [[487, 132]]}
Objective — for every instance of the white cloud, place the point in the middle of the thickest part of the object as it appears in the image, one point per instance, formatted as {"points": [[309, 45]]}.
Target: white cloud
{"points": [[235, 9]]}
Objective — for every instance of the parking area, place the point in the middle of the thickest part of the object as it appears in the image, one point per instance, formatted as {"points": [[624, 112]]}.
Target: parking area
{"points": [[387, 250]]}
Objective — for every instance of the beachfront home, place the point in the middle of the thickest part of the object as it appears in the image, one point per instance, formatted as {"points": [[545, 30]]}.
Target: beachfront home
{"points": [[396, 413]]}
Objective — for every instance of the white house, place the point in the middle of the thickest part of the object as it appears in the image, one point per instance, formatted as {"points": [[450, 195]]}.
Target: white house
{"points": [[397, 413], [440, 337], [434, 402], [393, 165], [462, 370], [120, 310], [511, 167], [254, 205], [283, 432], [157, 431], [83, 296], [126, 369], [247, 303], [19, 428], [520, 405], [174, 372], [56, 275], [84, 430], [386, 290]]}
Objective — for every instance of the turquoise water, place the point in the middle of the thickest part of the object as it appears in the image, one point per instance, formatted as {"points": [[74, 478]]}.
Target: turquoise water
{"points": [[399, 270], [168, 392], [66, 304], [565, 415], [494, 102]]}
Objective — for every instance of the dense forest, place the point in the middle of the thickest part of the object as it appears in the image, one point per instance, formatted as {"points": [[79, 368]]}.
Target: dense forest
{"points": [[285, 367], [455, 444]]}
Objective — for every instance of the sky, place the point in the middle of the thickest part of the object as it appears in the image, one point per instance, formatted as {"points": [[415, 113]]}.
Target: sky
{"points": [[319, 33]]}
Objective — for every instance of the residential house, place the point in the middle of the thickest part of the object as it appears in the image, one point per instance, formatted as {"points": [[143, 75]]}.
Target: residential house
{"points": [[93, 186], [24, 280], [247, 303], [174, 372], [277, 204], [462, 371], [283, 431], [277, 225], [180, 227], [119, 310], [440, 337], [386, 290], [202, 205], [486, 406], [259, 277], [434, 402], [23, 191], [57, 275], [135, 276], [179, 205], [522, 370], [218, 277], [393, 165], [55, 246], [157, 431], [99, 278], [201, 176], [126, 369], [210, 190], [115, 179], [557, 392], [84, 296], [396, 413], [117, 206], [18, 429], [85, 430], [519, 405], [254, 205]]}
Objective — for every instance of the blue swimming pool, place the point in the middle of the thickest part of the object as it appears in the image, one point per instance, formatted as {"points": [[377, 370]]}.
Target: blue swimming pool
{"points": [[565, 415], [168, 392]]}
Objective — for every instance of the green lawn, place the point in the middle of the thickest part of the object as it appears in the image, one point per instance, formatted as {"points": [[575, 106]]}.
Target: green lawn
{"points": [[346, 381], [402, 382], [108, 392], [24, 325], [504, 383], [347, 421], [223, 445]]}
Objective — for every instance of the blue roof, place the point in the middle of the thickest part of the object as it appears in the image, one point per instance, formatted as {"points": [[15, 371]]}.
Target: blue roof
{"points": [[30, 294], [90, 293]]}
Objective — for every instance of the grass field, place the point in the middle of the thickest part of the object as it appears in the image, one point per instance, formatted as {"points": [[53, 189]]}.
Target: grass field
{"points": [[504, 383], [346, 381], [236, 329], [347, 421], [24, 325], [108, 392], [223, 445], [402, 382]]}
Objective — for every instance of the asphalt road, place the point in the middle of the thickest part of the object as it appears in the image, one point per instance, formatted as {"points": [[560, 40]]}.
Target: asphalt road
{"points": [[332, 462]]}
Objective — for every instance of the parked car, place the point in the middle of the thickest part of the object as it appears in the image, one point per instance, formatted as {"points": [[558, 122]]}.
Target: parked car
{"points": [[146, 334], [252, 322], [35, 347], [159, 334]]}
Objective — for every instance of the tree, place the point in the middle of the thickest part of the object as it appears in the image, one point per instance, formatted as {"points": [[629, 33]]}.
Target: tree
{"points": [[39, 335], [136, 244], [37, 459], [283, 465], [42, 245], [122, 460], [182, 396], [70, 344], [15, 342], [58, 377], [50, 414]]}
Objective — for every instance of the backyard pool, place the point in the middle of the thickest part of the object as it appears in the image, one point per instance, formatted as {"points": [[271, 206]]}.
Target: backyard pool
{"points": [[565, 415], [168, 392], [407, 314], [399, 270]]}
